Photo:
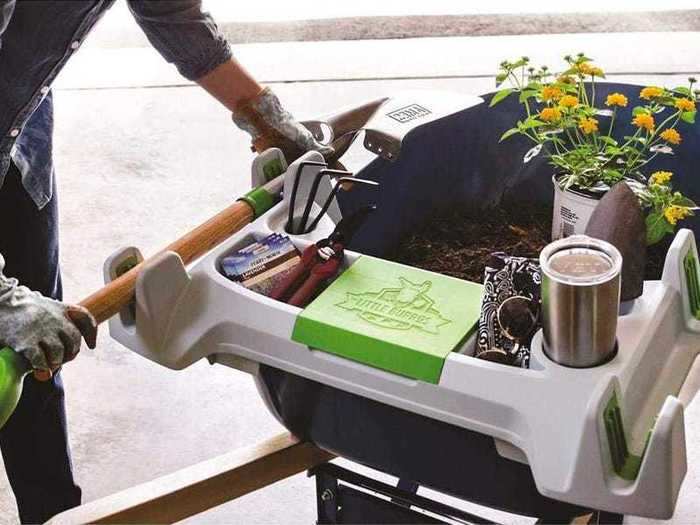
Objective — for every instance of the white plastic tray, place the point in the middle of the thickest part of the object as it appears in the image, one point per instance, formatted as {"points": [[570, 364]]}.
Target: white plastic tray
{"points": [[550, 416]]}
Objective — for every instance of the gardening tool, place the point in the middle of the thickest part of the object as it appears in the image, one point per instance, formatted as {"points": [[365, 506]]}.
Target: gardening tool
{"points": [[342, 182], [618, 219], [319, 262], [109, 300], [295, 188], [312, 194], [386, 121]]}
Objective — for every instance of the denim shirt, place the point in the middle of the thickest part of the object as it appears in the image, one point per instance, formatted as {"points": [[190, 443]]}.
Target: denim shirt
{"points": [[36, 40]]}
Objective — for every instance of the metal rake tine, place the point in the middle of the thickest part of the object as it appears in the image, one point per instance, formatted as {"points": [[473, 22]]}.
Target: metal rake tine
{"points": [[312, 195], [295, 187], [339, 184]]}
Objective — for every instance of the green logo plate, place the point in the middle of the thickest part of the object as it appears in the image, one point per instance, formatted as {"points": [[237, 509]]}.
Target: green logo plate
{"points": [[393, 317]]}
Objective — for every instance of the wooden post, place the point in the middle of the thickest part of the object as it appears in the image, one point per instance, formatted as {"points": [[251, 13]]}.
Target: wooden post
{"points": [[200, 487]]}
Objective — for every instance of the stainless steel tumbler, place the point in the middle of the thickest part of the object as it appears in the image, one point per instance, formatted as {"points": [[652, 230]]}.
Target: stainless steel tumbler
{"points": [[580, 300]]}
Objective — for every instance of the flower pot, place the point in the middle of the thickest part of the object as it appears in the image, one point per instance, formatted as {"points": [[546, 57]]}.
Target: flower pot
{"points": [[572, 210]]}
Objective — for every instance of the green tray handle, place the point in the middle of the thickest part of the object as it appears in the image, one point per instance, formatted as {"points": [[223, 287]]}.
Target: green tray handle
{"points": [[13, 368]]}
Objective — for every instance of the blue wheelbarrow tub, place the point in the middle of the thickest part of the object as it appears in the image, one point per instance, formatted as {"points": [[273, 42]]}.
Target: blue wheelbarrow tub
{"points": [[456, 163]]}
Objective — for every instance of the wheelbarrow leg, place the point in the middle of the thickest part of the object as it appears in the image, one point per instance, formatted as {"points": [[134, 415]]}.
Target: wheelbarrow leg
{"points": [[326, 498]]}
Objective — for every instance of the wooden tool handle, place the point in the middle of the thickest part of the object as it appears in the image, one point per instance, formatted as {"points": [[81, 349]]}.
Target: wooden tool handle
{"points": [[107, 301]]}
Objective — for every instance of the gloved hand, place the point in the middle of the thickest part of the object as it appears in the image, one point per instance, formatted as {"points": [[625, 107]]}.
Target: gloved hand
{"points": [[271, 126], [47, 332]]}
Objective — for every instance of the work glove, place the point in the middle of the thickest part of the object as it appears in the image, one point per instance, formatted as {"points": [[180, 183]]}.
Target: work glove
{"points": [[271, 126], [46, 332]]}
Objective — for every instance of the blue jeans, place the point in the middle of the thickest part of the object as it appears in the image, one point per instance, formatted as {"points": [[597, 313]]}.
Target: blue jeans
{"points": [[34, 441]]}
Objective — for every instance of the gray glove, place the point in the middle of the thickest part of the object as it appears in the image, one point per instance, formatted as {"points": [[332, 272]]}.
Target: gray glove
{"points": [[271, 126], [47, 332]]}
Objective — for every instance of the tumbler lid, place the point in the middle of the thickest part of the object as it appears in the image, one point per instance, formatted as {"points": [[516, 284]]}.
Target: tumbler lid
{"points": [[580, 260]]}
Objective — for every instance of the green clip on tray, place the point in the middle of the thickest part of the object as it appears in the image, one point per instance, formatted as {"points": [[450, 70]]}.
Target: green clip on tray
{"points": [[393, 317]]}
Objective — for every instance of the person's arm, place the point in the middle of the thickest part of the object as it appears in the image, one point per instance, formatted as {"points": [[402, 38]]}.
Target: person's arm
{"points": [[190, 39], [47, 332], [230, 84], [7, 7]]}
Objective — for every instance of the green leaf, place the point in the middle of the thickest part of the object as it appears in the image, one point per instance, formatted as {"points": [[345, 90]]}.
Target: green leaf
{"points": [[519, 63], [689, 116], [530, 123], [657, 227], [501, 95], [608, 140], [683, 91], [685, 202], [509, 134], [638, 110], [667, 101], [612, 175], [526, 94]]}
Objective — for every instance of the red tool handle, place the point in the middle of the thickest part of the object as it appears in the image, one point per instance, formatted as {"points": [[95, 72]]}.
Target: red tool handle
{"points": [[286, 286], [320, 273]]}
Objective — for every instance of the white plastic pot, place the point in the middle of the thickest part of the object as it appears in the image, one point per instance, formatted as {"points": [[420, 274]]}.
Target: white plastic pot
{"points": [[572, 211]]}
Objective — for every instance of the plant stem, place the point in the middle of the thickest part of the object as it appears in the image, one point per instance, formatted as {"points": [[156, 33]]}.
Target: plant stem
{"points": [[612, 123]]}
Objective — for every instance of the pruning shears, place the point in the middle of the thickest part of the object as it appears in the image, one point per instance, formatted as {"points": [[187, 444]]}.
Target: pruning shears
{"points": [[319, 262]]}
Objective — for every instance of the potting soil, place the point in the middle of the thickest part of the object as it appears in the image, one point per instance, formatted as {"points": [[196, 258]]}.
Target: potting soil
{"points": [[460, 244]]}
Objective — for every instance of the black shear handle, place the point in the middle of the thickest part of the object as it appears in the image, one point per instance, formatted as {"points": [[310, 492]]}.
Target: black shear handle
{"points": [[348, 226]]}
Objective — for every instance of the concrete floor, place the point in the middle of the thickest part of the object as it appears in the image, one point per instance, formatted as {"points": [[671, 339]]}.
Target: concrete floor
{"points": [[139, 167]]}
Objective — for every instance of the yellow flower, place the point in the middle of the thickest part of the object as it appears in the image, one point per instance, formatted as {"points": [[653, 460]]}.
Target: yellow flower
{"points": [[566, 79], [644, 120], [586, 68], [675, 213], [616, 99], [588, 125], [671, 136], [568, 101], [685, 104], [651, 92], [550, 115], [660, 177], [551, 93]]}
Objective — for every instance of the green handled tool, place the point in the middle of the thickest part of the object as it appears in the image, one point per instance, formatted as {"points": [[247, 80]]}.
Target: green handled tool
{"points": [[13, 368]]}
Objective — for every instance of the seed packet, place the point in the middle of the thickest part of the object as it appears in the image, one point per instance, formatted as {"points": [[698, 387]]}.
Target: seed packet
{"points": [[260, 265]]}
